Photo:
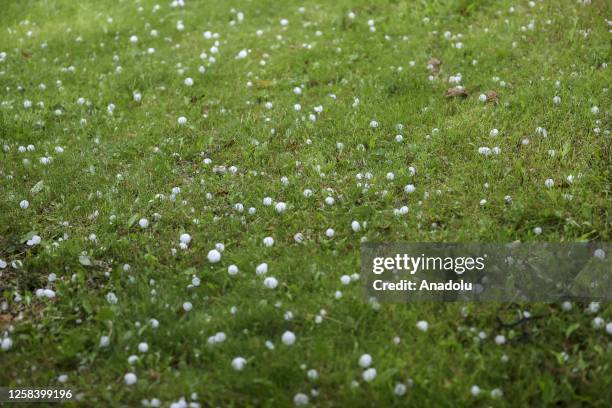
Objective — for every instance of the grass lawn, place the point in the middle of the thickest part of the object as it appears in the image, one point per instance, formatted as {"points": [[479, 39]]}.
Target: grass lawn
{"points": [[154, 157]]}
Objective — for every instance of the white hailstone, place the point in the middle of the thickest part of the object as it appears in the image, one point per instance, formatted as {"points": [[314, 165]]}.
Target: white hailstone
{"points": [[345, 279], [494, 132], [280, 207], [137, 96], [62, 378], [475, 390], [297, 90], [48, 293], [185, 238], [422, 325], [485, 151], [500, 339], [482, 98], [143, 222], [268, 241], [609, 328], [220, 337], [318, 108], [355, 226], [187, 306], [300, 399], [261, 269], [410, 188], [312, 374], [284, 22], [369, 374], [195, 281], [599, 253], [238, 363], [537, 230], [570, 179], [104, 341], [549, 183], [154, 323], [329, 200], [3, 264], [35, 240], [566, 306], [188, 81], [496, 393], [232, 270], [593, 307], [598, 323], [111, 298], [307, 193], [288, 338], [24, 204], [330, 233], [399, 138], [594, 110], [557, 100], [268, 105], [270, 282], [390, 176], [6, 344], [400, 389], [267, 201], [130, 379], [214, 256], [338, 295], [373, 124], [365, 360], [297, 107], [133, 39], [143, 347], [182, 120], [27, 104]]}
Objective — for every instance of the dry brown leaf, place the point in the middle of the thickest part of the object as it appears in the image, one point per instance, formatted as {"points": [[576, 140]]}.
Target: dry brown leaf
{"points": [[434, 65], [492, 96], [457, 91]]}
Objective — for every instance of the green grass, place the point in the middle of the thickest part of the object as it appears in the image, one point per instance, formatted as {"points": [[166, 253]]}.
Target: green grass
{"points": [[82, 194]]}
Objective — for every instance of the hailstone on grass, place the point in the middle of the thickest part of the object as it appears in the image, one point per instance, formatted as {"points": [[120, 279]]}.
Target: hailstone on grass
{"points": [[238, 363], [365, 360], [369, 374], [422, 325], [214, 256], [288, 338], [6, 344], [261, 269], [130, 379], [271, 283], [300, 399]]}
